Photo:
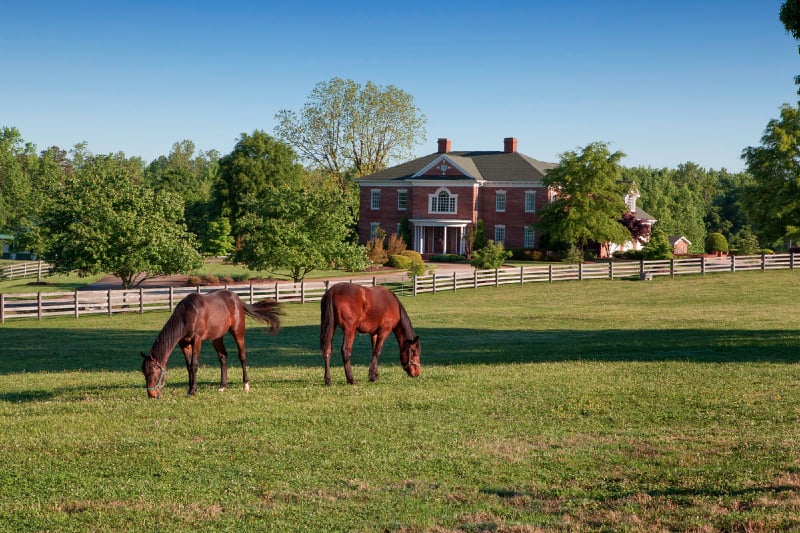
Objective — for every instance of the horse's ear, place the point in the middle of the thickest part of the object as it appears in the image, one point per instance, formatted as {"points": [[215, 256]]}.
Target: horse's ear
{"points": [[416, 340], [143, 355]]}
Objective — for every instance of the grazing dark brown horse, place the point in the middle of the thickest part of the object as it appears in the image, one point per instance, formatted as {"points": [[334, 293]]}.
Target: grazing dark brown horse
{"points": [[373, 310], [202, 317]]}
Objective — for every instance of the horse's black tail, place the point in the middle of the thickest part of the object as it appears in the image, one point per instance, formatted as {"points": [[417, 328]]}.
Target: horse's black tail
{"points": [[267, 312], [327, 326]]}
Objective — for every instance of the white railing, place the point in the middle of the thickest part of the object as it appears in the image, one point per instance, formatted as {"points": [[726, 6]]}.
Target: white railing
{"points": [[79, 303], [25, 270]]}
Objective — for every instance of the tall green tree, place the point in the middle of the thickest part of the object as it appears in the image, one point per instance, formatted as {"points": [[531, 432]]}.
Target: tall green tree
{"points": [[590, 199], [257, 163], [346, 128], [14, 183], [105, 219], [772, 201], [299, 229], [790, 16]]}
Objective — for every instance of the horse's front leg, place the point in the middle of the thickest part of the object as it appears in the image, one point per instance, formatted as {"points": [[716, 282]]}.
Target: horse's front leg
{"points": [[222, 354], [347, 352], [377, 345], [238, 337], [191, 352]]}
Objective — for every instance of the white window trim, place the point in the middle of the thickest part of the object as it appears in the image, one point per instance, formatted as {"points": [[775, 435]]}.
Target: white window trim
{"points": [[433, 200], [498, 228], [529, 232], [400, 193], [373, 195], [373, 228], [497, 195], [533, 195]]}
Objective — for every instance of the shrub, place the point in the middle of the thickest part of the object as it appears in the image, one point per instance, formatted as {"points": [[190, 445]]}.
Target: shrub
{"points": [[412, 254], [493, 255], [716, 242], [395, 245], [573, 255], [417, 267], [447, 258], [401, 262], [194, 280], [658, 246]]}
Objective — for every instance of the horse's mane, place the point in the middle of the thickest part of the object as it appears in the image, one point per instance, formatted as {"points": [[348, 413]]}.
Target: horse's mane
{"points": [[173, 330], [405, 321]]}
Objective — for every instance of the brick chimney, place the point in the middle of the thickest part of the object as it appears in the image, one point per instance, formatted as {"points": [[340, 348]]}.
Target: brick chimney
{"points": [[444, 145], [510, 145]]}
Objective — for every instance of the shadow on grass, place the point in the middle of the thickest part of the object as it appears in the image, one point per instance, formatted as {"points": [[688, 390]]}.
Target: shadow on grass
{"points": [[54, 350]]}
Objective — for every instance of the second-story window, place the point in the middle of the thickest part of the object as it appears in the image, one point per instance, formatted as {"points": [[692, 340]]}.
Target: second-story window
{"points": [[442, 202], [375, 200], [530, 201], [500, 201], [402, 200]]}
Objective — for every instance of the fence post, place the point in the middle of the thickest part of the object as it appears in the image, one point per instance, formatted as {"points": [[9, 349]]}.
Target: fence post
{"points": [[475, 278], [75, 300], [277, 296], [733, 263], [415, 284], [611, 270], [141, 301], [641, 267], [434, 282], [454, 281], [763, 261], [496, 277], [374, 281], [703, 265], [672, 268], [2, 308], [550, 273], [521, 275], [303, 291], [39, 305], [580, 271], [791, 260], [108, 301], [171, 298]]}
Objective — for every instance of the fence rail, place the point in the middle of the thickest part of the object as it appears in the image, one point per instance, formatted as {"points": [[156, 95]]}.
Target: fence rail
{"points": [[79, 303], [25, 270]]}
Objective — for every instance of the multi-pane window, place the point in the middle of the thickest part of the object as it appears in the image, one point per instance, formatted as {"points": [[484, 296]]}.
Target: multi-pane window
{"points": [[442, 202], [500, 234], [530, 201], [375, 200], [530, 237], [402, 200], [373, 229], [500, 201]]}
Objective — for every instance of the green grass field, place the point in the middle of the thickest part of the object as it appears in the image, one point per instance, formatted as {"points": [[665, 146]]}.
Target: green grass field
{"points": [[607, 405]]}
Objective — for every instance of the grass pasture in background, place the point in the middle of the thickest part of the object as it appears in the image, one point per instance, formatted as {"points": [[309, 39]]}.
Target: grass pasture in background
{"points": [[671, 404]]}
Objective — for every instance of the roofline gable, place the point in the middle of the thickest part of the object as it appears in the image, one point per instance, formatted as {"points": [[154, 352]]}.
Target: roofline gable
{"points": [[437, 161]]}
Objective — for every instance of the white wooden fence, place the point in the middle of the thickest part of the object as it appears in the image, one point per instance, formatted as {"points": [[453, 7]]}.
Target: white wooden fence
{"points": [[79, 303], [25, 270]]}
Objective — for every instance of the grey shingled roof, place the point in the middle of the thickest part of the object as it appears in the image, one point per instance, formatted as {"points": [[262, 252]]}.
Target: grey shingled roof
{"points": [[489, 166]]}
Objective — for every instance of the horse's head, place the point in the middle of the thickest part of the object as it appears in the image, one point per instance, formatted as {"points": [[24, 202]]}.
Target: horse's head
{"points": [[155, 375], [410, 357]]}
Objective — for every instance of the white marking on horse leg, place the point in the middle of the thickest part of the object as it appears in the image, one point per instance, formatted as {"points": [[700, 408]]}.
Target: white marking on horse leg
{"points": [[247, 387], [222, 389]]}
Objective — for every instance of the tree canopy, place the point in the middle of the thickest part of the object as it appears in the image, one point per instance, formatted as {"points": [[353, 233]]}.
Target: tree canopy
{"points": [[590, 200], [104, 219], [346, 128], [772, 201], [257, 163], [299, 229], [790, 16]]}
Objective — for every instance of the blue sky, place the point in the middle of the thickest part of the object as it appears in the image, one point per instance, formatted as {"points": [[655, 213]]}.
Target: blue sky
{"points": [[664, 82]]}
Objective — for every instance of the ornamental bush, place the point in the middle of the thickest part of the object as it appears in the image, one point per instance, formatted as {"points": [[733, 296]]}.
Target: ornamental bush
{"points": [[400, 262], [716, 242], [493, 255]]}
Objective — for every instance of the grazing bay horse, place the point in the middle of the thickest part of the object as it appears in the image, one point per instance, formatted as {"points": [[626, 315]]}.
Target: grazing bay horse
{"points": [[373, 310], [202, 317]]}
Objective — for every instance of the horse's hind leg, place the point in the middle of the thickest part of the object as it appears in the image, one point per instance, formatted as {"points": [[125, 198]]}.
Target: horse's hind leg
{"points": [[347, 352], [191, 352], [238, 337], [219, 346]]}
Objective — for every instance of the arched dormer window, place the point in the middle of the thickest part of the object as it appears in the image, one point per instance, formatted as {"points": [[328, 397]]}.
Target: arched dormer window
{"points": [[442, 201]]}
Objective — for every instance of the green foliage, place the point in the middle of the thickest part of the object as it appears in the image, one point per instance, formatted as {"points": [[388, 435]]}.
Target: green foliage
{"points": [[104, 219], [299, 229], [590, 201], [493, 255], [790, 17], [716, 242], [417, 267], [658, 246], [405, 231], [479, 239], [745, 242], [400, 262], [346, 126], [257, 164], [573, 255], [447, 258], [772, 201], [218, 240]]}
